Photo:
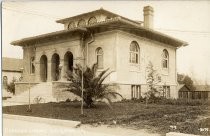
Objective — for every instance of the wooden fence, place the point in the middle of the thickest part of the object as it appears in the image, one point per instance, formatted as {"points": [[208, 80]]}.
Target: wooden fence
{"points": [[203, 95]]}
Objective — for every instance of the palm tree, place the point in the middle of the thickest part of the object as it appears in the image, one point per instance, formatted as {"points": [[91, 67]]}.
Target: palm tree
{"points": [[94, 89]]}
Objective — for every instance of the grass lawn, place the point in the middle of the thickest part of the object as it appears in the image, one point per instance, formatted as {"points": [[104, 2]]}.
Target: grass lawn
{"points": [[156, 117]]}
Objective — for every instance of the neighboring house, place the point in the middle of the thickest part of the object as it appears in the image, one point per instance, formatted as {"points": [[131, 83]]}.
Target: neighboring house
{"points": [[11, 70], [110, 40], [184, 91], [201, 92]]}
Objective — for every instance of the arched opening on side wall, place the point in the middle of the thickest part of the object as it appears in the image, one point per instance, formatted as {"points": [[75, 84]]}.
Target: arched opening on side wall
{"points": [[68, 61], [43, 68], [55, 73]]}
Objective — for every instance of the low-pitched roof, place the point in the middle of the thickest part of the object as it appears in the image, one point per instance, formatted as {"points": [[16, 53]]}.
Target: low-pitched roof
{"points": [[114, 23], [183, 88], [180, 86], [101, 10], [12, 64], [202, 87]]}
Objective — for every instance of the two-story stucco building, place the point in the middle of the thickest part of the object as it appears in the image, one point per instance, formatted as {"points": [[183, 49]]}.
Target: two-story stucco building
{"points": [[110, 40]]}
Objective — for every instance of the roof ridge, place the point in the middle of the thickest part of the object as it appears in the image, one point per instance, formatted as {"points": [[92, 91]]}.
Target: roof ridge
{"points": [[101, 9]]}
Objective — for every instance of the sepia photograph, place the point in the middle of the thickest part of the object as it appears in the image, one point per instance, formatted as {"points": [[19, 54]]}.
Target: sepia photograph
{"points": [[105, 68]]}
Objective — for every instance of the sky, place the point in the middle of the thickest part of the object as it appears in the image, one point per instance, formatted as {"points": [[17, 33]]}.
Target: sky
{"points": [[186, 20]]}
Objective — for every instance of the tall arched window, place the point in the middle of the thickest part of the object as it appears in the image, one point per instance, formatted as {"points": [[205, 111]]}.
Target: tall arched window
{"points": [[81, 23], [165, 60], [92, 20], [99, 57], [134, 52], [5, 81], [71, 25]]}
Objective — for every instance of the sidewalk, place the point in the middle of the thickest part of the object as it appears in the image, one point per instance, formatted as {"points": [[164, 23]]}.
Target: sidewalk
{"points": [[14, 125]]}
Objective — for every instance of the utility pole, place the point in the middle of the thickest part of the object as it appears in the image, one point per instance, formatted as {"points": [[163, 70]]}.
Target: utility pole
{"points": [[82, 82]]}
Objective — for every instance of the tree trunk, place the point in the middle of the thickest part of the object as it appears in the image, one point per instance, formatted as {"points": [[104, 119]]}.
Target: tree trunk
{"points": [[88, 101]]}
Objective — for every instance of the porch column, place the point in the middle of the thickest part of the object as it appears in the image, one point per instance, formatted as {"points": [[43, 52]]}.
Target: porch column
{"points": [[62, 70], [37, 71], [49, 76]]}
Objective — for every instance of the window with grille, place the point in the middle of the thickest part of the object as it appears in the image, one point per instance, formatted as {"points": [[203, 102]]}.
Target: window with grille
{"points": [[92, 20], [5, 81], [135, 91], [81, 23], [134, 52], [166, 92], [99, 57], [165, 59], [71, 25]]}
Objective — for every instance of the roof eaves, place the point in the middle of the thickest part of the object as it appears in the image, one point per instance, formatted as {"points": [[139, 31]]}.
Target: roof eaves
{"points": [[183, 43], [99, 10], [19, 42]]}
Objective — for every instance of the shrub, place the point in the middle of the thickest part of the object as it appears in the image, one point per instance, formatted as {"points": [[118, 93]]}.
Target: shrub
{"points": [[68, 100], [93, 87], [11, 86], [188, 102], [162, 100]]}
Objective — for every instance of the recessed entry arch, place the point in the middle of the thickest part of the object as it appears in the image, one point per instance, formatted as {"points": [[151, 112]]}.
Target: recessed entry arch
{"points": [[43, 68], [55, 62], [68, 61]]}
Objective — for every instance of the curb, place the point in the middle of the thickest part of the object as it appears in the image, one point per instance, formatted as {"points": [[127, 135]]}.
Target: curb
{"points": [[179, 134], [58, 122]]}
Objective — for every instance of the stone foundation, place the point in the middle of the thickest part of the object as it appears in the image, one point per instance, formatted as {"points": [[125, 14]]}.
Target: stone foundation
{"points": [[21, 87], [60, 94]]}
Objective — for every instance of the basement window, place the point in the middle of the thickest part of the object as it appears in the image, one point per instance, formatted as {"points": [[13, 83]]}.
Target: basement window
{"points": [[135, 91]]}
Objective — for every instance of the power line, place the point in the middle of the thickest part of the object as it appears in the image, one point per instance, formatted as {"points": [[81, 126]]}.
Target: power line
{"points": [[11, 7], [128, 28], [32, 13], [187, 31], [56, 17]]}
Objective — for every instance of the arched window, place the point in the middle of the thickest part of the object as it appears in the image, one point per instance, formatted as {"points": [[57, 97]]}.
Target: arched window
{"points": [[107, 18], [71, 25], [165, 59], [92, 20], [5, 81], [32, 65], [134, 52], [99, 57], [81, 23]]}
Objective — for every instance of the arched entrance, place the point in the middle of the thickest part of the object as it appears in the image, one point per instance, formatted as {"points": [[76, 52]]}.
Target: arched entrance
{"points": [[55, 73], [43, 68], [68, 61]]}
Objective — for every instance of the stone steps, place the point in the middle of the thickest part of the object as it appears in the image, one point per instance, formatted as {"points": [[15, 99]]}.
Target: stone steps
{"points": [[41, 90]]}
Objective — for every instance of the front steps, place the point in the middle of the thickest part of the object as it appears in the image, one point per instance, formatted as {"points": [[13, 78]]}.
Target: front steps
{"points": [[42, 91]]}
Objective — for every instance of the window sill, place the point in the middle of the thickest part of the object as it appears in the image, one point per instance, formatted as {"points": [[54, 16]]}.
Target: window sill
{"points": [[134, 64], [133, 67], [165, 71]]}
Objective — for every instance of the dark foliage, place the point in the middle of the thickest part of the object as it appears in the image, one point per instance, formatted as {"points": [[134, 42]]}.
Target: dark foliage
{"points": [[94, 89]]}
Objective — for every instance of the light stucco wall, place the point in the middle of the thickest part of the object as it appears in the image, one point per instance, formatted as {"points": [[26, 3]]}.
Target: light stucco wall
{"points": [[135, 74], [60, 47], [107, 42], [115, 45], [11, 76]]}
